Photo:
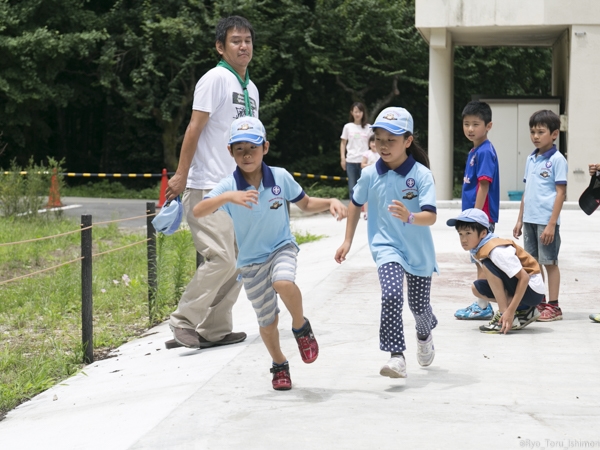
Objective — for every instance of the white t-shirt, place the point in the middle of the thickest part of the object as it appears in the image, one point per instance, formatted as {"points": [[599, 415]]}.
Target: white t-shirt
{"points": [[505, 258], [220, 94], [358, 141], [372, 157]]}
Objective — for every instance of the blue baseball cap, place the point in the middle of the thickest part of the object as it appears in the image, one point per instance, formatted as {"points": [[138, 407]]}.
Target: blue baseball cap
{"points": [[394, 119], [247, 129], [470, 215], [168, 219]]}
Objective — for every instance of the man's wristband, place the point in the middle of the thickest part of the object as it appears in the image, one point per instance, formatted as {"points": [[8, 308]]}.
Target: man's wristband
{"points": [[411, 218]]}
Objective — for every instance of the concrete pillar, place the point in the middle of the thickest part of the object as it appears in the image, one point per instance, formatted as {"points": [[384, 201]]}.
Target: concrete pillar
{"points": [[441, 102], [583, 133]]}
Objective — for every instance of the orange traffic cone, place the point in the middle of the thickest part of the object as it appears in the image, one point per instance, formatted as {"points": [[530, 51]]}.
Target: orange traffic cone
{"points": [[54, 196], [162, 198]]}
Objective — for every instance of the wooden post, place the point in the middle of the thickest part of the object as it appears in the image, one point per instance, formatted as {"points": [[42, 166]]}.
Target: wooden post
{"points": [[87, 326]]}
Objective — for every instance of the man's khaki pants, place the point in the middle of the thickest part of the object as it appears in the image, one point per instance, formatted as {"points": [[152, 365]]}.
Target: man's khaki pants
{"points": [[209, 297]]}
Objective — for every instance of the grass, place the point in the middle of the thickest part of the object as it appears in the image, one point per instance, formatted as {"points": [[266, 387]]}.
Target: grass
{"points": [[303, 238], [40, 316]]}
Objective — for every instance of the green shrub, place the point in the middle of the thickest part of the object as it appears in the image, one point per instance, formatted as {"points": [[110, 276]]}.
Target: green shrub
{"points": [[23, 191]]}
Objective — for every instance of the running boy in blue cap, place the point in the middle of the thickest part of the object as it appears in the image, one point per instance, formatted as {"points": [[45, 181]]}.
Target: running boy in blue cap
{"points": [[512, 277], [254, 196]]}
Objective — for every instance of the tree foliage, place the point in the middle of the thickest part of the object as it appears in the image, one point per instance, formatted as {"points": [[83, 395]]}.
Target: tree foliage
{"points": [[108, 84]]}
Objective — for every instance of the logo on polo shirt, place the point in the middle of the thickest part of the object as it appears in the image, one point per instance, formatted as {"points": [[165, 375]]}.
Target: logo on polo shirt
{"points": [[276, 190], [548, 164], [545, 174], [409, 195], [410, 182], [276, 205]]}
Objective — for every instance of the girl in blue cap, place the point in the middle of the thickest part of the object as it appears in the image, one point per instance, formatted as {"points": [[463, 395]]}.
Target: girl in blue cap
{"points": [[400, 191]]}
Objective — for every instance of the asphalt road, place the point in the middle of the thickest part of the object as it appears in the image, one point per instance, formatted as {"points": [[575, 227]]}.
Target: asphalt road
{"points": [[107, 209]]}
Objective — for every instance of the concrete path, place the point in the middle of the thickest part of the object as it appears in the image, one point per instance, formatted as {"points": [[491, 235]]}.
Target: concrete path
{"points": [[537, 388]]}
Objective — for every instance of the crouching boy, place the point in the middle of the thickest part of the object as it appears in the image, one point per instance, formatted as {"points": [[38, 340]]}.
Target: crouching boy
{"points": [[254, 196], [513, 277]]}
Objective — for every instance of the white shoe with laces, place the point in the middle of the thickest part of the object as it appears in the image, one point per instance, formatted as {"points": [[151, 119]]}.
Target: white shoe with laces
{"points": [[394, 368], [425, 351]]}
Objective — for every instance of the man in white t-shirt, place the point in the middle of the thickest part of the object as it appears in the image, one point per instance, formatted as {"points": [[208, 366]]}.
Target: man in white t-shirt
{"points": [[203, 317], [512, 277]]}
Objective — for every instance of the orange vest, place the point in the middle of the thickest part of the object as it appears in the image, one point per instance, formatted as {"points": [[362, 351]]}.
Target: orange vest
{"points": [[528, 262]]}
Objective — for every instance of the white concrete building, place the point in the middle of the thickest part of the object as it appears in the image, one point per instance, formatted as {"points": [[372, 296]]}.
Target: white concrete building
{"points": [[570, 27]]}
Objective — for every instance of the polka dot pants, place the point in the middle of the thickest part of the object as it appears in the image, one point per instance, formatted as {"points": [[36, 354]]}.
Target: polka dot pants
{"points": [[391, 330]]}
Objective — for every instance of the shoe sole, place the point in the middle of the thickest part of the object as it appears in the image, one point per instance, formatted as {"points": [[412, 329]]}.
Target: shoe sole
{"points": [[387, 372], [283, 388], [220, 343], [183, 344], [550, 320], [309, 361], [475, 318], [427, 363], [524, 324], [172, 343]]}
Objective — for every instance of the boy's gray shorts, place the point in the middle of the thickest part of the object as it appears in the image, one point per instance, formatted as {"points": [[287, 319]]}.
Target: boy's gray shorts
{"points": [[545, 254], [259, 278]]}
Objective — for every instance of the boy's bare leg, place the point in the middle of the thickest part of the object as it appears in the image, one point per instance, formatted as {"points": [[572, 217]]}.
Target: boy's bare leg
{"points": [[553, 281], [270, 336], [292, 298]]}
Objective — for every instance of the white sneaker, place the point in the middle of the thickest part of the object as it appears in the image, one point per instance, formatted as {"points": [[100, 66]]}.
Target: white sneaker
{"points": [[394, 368], [425, 351]]}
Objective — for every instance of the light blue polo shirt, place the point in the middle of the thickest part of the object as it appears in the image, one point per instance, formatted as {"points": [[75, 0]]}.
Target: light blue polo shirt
{"points": [[542, 174], [266, 227], [390, 239]]}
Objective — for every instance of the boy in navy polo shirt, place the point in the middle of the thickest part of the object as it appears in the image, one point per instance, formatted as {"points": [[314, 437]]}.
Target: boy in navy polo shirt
{"points": [[254, 196], [511, 276], [545, 192], [481, 186]]}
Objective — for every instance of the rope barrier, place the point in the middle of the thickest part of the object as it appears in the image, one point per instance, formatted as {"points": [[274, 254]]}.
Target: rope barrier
{"points": [[43, 238], [40, 271], [74, 260], [6, 244]]}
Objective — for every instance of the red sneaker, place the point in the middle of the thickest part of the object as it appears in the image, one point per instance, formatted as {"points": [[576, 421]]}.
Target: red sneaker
{"points": [[307, 344], [281, 377], [549, 313]]}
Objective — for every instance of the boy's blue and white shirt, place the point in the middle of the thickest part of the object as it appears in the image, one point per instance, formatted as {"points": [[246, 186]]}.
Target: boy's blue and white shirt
{"points": [[482, 163], [266, 227], [542, 174], [390, 239]]}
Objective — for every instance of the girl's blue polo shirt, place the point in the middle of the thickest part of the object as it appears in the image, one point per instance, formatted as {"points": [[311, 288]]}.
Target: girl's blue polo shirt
{"points": [[266, 227], [542, 174], [390, 239]]}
